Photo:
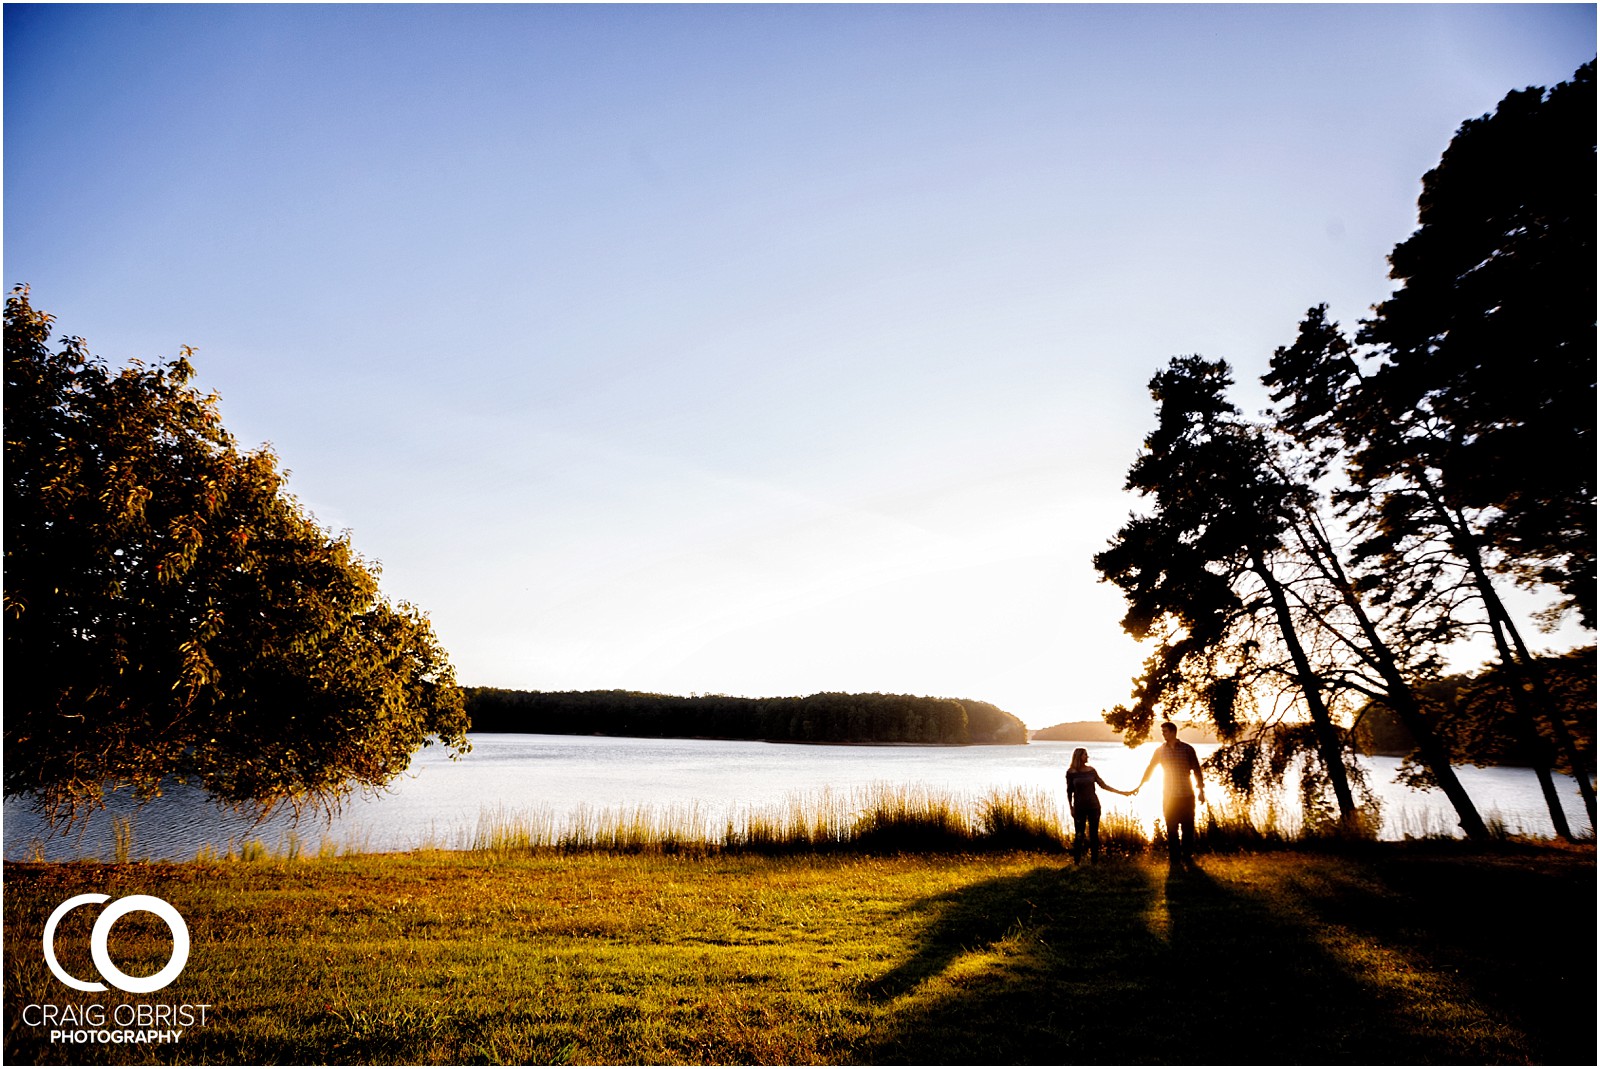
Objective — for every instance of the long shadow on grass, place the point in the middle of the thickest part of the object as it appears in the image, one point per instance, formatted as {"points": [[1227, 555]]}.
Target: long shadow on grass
{"points": [[1521, 942], [1121, 963]]}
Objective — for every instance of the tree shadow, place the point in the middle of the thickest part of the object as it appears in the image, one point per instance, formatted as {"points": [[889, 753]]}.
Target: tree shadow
{"points": [[1122, 963], [1522, 942]]}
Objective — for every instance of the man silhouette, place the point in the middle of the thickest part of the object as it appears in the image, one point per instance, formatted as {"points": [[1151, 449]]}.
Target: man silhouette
{"points": [[1177, 760]]}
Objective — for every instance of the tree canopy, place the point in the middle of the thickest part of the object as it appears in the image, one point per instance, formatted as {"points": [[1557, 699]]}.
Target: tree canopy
{"points": [[172, 614], [1488, 345]]}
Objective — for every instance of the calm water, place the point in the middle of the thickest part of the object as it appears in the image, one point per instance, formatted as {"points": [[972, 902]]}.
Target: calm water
{"points": [[439, 802]]}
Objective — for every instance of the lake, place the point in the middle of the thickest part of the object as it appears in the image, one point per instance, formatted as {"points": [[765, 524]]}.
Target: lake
{"points": [[439, 802]]}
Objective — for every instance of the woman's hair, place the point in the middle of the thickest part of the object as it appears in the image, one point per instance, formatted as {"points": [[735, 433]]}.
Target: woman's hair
{"points": [[1080, 760]]}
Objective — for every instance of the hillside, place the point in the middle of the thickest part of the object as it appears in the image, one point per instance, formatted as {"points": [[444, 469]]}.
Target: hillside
{"points": [[1100, 731], [822, 718]]}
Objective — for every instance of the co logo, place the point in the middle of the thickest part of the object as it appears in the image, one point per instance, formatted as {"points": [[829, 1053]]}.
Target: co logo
{"points": [[102, 931]]}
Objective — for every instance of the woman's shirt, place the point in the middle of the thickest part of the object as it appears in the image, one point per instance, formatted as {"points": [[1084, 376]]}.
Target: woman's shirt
{"points": [[1080, 789]]}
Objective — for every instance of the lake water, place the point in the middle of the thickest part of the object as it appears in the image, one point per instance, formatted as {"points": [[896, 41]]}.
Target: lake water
{"points": [[440, 802]]}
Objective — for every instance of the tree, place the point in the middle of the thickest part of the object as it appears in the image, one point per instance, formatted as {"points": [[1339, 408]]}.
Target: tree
{"points": [[173, 615], [1491, 336], [1485, 725], [1202, 572], [1414, 531], [1485, 394], [1388, 623], [829, 717], [1464, 411]]}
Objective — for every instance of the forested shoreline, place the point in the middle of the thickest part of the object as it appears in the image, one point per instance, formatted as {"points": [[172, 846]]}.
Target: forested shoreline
{"points": [[1100, 731], [818, 718], [1474, 714]]}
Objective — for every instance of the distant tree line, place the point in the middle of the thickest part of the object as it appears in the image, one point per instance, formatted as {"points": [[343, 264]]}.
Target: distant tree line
{"points": [[1078, 731], [822, 718], [1100, 731], [1476, 719], [1324, 558]]}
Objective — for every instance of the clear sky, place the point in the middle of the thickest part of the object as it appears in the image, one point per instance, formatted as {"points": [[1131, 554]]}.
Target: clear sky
{"points": [[749, 350]]}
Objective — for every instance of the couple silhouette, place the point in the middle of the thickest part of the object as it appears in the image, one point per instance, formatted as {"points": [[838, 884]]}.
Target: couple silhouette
{"points": [[1178, 762]]}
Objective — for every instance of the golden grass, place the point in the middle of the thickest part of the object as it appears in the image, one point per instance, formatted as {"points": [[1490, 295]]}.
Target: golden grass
{"points": [[882, 818]]}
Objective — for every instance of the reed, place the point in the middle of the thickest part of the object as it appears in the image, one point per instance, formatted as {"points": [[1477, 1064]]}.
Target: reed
{"points": [[912, 819], [1122, 833], [1020, 819], [880, 819], [817, 820], [249, 850], [122, 839], [883, 818]]}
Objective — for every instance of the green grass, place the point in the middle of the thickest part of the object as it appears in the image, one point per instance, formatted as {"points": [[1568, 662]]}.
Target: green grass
{"points": [[1378, 953]]}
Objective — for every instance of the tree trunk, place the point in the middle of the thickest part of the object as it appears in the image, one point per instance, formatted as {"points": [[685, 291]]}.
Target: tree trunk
{"points": [[1528, 734], [1519, 687], [1564, 740], [1328, 743], [1398, 694]]}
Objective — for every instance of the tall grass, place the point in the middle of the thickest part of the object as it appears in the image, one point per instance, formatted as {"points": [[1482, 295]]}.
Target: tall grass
{"points": [[1233, 827], [1122, 833], [911, 820], [1022, 820], [122, 840], [880, 819], [816, 820]]}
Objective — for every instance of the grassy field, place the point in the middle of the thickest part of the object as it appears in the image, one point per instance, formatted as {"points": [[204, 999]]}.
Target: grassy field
{"points": [[1379, 954]]}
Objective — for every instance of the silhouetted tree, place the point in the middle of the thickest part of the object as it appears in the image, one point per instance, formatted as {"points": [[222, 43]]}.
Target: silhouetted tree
{"points": [[1489, 344], [1484, 725], [1202, 573], [171, 614], [1389, 623], [1485, 395], [1414, 538], [1462, 420]]}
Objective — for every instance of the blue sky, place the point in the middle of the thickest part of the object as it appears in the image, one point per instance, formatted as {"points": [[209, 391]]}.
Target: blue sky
{"points": [[752, 350]]}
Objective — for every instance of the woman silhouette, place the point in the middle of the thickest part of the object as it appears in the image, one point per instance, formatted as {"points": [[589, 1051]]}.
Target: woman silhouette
{"points": [[1085, 804]]}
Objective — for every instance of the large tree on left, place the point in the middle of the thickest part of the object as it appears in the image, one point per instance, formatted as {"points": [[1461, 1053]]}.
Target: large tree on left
{"points": [[173, 615]]}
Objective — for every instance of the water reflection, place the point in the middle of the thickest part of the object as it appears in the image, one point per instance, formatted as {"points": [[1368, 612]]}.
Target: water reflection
{"points": [[439, 802]]}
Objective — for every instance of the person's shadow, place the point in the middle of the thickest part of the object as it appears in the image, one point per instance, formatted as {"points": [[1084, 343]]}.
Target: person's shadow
{"points": [[1119, 963]]}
